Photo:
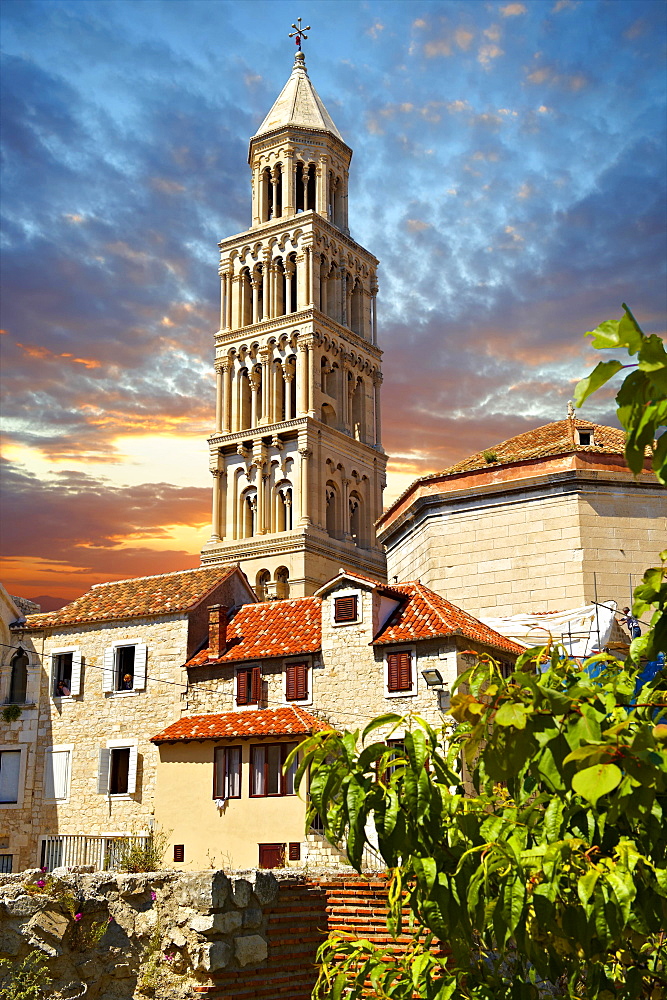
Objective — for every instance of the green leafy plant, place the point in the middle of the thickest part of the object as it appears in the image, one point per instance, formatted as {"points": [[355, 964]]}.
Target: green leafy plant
{"points": [[11, 713], [26, 980], [549, 880], [642, 398], [490, 456], [141, 855]]}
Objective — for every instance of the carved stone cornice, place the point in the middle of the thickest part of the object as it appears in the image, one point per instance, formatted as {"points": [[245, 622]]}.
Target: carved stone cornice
{"points": [[308, 222]]}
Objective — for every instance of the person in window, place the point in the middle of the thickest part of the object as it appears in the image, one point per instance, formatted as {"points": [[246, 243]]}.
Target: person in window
{"points": [[127, 683], [62, 689], [631, 624]]}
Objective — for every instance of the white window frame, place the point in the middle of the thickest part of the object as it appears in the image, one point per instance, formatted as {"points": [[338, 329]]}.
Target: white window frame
{"points": [[75, 687], [140, 668], [349, 592], [402, 648], [309, 666], [61, 748], [104, 768], [23, 750]]}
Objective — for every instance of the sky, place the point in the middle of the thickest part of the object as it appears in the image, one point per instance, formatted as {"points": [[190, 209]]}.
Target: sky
{"points": [[509, 172]]}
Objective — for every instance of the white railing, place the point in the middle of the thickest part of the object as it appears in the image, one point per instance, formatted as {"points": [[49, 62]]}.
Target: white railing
{"points": [[74, 850]]}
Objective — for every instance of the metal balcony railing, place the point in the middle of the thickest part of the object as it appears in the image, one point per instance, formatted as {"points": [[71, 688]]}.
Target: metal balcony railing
{"points": [[74, 850]]}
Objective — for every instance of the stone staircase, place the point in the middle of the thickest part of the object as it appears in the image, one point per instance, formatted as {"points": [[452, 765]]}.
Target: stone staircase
{"points": [[320, 853]]}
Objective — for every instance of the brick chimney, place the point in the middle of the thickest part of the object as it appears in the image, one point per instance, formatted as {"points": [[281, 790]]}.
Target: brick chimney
{"points": [[217, 630]]}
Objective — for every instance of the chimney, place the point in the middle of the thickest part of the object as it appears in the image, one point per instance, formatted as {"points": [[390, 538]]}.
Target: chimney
{"points": [[217, 630]]}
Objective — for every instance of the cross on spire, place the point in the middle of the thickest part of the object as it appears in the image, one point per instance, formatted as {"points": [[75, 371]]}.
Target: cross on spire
{"points": [[299, 32]]}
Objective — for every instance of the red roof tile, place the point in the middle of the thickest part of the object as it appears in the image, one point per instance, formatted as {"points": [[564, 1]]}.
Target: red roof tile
{"points": [[288, 721], [138, 598], [426, 615], [272, 628]]}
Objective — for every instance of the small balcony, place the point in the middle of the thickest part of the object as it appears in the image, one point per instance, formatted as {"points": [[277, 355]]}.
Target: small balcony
{"points": [[79, 850]]}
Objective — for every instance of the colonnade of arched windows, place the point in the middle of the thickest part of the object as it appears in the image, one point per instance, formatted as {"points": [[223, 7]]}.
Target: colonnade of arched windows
{"points": [[346, 514], [290, 187], [276, 586]]}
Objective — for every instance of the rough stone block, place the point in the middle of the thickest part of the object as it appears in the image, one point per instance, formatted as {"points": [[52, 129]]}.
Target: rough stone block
{"points": [[265, 886], [10, 942], [213, 956], [23, 906], [252, 916], [242, 892], [250, 950], [205, 891], [48, 923]]}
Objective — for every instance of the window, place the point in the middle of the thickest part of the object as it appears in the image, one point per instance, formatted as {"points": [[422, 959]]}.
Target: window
{"points": [[6, 865], [345, 609], [248, 685], [296, 682], [271, 855], [57, 764], [584, 438], [266, 774], [19, 678], [125, 667], [179, 852], [10, 769], [227, 773], [400, 677], [117, 771], [66, 672]]}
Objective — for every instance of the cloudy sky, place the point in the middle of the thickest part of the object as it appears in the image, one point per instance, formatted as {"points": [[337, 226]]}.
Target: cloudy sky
{"points": [[509, 172]]}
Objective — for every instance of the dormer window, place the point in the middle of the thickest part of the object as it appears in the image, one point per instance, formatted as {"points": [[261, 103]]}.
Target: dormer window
{"points": [[346, 609], [584, 438]]}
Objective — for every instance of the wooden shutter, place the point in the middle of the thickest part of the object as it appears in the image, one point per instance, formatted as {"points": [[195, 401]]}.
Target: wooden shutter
{"points": [[255, 685], [295, 851], [132, 771], [399, 671], [108, 671], [75, 682], [242, 687], [345, 608], [301, 670], [140, 660], [103, 770], [179, 852], [56, 769], [290, 681]]}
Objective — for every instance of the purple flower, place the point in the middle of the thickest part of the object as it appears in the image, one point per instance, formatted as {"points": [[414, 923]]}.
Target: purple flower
{"points": [[41, 883], [110, 919], [169, 956], [43, 868], [153, 896], [77, 916]]}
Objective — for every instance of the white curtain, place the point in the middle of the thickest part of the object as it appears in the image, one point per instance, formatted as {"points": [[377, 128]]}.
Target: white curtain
{"points": [[10, 764], [257, 760]]}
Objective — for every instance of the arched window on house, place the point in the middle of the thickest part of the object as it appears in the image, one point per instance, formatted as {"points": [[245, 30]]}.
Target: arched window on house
{"points": [[281, 577], [283, 506], [248, 517], [18, 683]]}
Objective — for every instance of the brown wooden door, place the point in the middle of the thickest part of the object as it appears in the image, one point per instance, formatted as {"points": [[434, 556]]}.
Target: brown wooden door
{"points": [[271, 855]]}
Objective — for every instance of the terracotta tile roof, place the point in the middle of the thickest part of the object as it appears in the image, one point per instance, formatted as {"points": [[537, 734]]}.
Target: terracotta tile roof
{"points": [[138, 598], [272, 628], [550, 439], [288, 721], [344, 574], [426, 615]]}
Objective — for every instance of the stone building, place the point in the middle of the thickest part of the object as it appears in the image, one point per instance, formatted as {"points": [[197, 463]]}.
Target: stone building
{"points": [[297, 461], [107, 674], [547, 520], [276, 671], [19, 688]]}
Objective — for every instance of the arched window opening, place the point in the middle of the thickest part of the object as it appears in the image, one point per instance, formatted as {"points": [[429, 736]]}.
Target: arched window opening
{"points": [[18, 684], [276, 191], [258, 294], [328, 415], [358, 409], [266, 194], [245, 292], [281, 577], [245, 399], [263, 580], [284, 508], [291, 284], [332, 510], [256, 398], [249, 513], [333, 194], [290, 390], [280, 289], [278, 393], [356, 319], [355, 518], [299, 187], [338, 206], [324, 274]]}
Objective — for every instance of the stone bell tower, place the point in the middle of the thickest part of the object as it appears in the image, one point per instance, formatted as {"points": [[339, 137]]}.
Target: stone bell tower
{"points": [[296, 456]]}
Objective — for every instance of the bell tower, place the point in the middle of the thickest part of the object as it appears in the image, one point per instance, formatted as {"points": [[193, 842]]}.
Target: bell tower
{"points": [[296, 457]]}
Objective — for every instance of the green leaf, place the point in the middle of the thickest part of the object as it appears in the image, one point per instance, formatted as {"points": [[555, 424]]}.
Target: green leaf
{"points": [[593, 782], [586, 885], [602, 372], [390, 719], [511, 714], [606, 334]]}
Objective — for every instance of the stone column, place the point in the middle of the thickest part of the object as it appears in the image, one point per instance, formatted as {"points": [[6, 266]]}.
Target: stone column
{"points": [[290, 271], [306, 171], [236, 401], [253, 377], [377, 382], [321, 186], [261, 500], [219, 398], [302, 378], [228, 301], [219, 491], [315, 266], [305, 455], [266, 287], [288, 378], [288, 182], [308, 279], [275, 181], [255, 297], [226, 418], [374, 322], [223, 300], [267, 394], [345, 504]]}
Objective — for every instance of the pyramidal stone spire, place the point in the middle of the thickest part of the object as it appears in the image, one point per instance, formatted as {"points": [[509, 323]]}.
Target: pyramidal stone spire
{"points": [[298, 104]]}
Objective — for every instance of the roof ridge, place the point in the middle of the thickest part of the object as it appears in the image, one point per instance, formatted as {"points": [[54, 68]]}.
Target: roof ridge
{"points": [[153, 576]]}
